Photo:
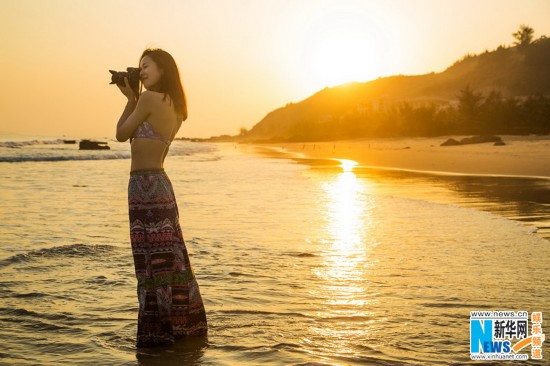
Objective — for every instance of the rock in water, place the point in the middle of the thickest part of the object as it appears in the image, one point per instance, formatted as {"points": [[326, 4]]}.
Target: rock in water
{"points": [[450, 142], [93, 145]]}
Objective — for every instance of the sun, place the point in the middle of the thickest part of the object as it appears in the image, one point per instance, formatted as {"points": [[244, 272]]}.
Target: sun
{"points": [[342, 47]]}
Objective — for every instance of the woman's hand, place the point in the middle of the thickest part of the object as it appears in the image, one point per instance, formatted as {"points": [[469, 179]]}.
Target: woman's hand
{"points": [[127, 90]]}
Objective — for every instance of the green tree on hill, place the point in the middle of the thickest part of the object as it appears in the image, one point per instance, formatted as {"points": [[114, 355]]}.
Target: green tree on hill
{"points": [[243, 131], [524, 35], [469, 106]]}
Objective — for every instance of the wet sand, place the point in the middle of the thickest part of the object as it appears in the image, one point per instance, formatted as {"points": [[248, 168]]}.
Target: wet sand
{"points": [[521, 156], [511, 181]]}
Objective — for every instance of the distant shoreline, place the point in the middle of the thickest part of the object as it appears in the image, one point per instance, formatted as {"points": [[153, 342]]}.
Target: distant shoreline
{"points": [[521, 156]]}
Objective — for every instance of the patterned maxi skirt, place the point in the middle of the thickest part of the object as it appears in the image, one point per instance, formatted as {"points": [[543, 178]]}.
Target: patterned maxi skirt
{"points": [[170, 304]]}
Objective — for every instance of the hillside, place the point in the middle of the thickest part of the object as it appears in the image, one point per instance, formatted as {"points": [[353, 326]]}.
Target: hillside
{"points": [[511, 72]]}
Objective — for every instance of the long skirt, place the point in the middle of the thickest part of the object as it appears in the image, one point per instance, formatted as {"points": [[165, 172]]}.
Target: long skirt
{"points": [[170, 304]]}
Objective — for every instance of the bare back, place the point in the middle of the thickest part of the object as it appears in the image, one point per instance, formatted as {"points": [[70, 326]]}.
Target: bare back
{"points": [[150, 153]]}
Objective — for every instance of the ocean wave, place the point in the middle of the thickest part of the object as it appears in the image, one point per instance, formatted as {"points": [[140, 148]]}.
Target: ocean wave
{"points": [[72, 250], [112, 156], [261, 312], [16, 313], [31, 142], [300, 254], [33, 151], [20, 159]]}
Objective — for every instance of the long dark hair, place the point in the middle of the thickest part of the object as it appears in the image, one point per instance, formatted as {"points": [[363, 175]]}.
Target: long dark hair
{"points": [[170, 82]]}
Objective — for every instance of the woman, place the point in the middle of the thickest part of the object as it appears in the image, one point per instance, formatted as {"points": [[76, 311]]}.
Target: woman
{"points": [[170, 304]]}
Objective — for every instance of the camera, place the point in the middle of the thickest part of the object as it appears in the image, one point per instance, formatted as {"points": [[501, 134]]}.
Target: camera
{"points": [[132, 73]]}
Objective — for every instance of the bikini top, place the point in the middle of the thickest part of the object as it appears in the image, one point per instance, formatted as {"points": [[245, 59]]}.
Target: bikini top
{"points": [[146, 130]]}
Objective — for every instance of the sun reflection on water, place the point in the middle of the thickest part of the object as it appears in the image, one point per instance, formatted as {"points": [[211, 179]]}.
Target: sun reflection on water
{"points": [[346, 164], [347, 211], [348, 223], [347, 301]]}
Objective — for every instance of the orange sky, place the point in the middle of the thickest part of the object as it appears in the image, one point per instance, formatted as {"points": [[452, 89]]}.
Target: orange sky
{"points": [[239, 59]]}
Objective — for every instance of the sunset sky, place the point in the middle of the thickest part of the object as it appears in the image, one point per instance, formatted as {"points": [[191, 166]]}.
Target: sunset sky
{"points": [[239, 59]]}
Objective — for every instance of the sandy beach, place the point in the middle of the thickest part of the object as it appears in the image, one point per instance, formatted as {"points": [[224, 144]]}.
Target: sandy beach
{"points": [[521, 156]]}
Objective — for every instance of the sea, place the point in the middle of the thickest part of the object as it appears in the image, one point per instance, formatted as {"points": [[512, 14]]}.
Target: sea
{"points": [[299, 261]]}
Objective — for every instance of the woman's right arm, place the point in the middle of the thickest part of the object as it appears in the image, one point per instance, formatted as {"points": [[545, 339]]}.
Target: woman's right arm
{"points": [[137, 109], [130, 106]]}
